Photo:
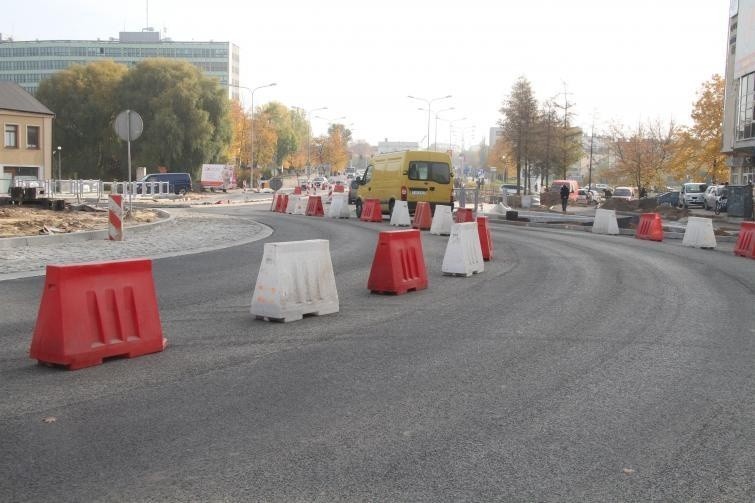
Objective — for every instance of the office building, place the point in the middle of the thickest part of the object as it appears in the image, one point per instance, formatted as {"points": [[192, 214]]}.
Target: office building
{"points": [[739, 101], [27, 63]]}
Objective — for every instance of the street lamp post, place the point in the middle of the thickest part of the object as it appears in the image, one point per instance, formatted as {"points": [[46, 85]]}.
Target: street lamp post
{"points": [[435, 141], [450, 129], [60, 157], [251, 132], [309, 131], [429, 105]]}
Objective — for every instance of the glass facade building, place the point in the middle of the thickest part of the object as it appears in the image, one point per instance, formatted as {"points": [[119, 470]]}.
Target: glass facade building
{"points": [[29, 62], [739, 100]]}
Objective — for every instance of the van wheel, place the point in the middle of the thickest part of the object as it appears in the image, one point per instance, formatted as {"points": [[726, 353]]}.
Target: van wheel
{"points": [[359, 208], [181, 192]]}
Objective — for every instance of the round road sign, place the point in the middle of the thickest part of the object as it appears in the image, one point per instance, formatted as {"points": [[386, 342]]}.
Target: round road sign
{"points": [[128, 125]]}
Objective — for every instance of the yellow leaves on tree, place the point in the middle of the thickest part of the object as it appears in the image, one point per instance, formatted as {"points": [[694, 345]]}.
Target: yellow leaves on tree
{"points": [[238, 150], [698, 148]]}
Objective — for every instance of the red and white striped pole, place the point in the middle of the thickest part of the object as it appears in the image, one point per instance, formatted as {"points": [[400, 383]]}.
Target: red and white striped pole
{"points": [[115, 217]]}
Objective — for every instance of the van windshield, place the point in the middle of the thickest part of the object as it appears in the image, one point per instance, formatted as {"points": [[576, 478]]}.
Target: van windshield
{"points": [[438, 172], [694, 188]]}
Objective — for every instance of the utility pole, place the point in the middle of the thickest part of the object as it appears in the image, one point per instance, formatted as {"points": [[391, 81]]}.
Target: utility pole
{"points": [[592, 139]]}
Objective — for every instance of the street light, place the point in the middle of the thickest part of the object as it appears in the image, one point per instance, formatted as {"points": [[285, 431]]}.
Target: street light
{"points": [[309, 130], [60, 157], [251, 125], [435, 141], [450, 130], [429, 104], [251, 128]]}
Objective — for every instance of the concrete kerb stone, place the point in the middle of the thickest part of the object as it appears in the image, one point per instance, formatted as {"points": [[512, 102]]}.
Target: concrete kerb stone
{"points": [[69, 237], [667, 234]]}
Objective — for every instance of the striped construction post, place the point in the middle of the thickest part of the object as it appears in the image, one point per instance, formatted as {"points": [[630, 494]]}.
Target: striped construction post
{"points": [[115, 218]]}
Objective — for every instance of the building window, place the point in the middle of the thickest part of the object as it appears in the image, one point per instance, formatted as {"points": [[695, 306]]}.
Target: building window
{"points": [[11, 136], [745, 128], [32, 137]]}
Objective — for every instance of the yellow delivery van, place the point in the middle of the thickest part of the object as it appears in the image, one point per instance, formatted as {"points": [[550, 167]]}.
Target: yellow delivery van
{"points": [[410, 176]]}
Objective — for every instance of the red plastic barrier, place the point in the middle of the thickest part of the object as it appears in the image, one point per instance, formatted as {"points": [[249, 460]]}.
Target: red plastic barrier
{"points": [[486, 240], [338, 188], [371, 211], [399, 264], [650, 227], [282, 203], [98, 310], [423, 218], [745, 246], [314, 207], [464, 215]]}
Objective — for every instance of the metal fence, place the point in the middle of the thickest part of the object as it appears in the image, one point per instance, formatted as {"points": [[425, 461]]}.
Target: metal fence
{"points": [[93, 189]]}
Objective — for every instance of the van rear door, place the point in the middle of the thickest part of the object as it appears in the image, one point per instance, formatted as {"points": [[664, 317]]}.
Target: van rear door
{"points": [[424, 178]]}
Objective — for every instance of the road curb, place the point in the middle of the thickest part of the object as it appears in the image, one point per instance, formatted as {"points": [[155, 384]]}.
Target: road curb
{"points": [[70, 237], [500, 219]]}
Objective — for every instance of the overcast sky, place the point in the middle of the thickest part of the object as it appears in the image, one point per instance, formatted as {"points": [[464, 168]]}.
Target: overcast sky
{"points": [[620, 61]]}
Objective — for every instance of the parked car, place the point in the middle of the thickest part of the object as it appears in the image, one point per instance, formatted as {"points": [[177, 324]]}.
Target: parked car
{"points": [[509, 189], [586, 196], [692, 194], [573, 187], [626, 193], [670, 198], [178, 183], [320, 182], [712, 194]]}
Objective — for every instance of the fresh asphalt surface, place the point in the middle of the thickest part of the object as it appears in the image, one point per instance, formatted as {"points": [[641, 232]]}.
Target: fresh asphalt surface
{"points": [[577, 367]]}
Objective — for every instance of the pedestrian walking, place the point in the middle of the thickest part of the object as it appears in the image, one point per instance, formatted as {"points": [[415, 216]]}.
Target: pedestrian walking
{"points": [[564, 197]]}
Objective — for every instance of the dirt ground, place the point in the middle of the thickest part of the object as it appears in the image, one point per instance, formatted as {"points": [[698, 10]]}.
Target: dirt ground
{"points": [[31, 221], [645, 205]]}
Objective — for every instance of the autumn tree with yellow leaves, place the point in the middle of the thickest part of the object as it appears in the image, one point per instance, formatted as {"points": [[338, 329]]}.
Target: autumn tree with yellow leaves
{"points": [[697, 153]]}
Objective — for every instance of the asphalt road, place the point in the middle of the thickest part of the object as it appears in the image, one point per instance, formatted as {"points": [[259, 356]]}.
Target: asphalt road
{"points": [[577, 367]]}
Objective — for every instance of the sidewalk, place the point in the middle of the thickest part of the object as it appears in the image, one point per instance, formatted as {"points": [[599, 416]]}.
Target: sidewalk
{"points": [[191, 230]]}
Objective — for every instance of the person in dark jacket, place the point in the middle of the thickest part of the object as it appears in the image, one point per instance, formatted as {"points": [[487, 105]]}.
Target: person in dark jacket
{"points": [[564, 196]]}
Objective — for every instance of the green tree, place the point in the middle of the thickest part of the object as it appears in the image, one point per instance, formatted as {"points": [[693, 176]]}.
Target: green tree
{"points": [[185, 114], [82, 99]]}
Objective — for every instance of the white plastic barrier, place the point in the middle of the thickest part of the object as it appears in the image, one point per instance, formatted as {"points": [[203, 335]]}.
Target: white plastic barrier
{"points": [[339, 206], [300, 207], [400, 214], [295, 279], [699, 233], [605, 222], [291, 206], [442, 221], [463, 252]]}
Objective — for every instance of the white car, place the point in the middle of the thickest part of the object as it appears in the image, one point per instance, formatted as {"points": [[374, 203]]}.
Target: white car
{"points": [[509, 189], [692, 194], [320, 182], [712, 194], [589, 196], [626, 193]]}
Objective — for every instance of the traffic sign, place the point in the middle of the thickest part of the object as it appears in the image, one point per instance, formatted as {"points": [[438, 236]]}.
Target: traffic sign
{"points": [[128, 125]]}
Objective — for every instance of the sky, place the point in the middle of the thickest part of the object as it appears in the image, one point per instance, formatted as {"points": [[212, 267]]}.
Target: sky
{"points": [[616, 62]]}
